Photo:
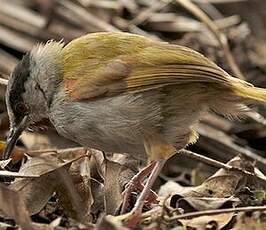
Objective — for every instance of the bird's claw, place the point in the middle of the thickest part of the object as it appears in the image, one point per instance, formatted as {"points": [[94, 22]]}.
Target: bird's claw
{"points": [[130, 219], [128, 192]]}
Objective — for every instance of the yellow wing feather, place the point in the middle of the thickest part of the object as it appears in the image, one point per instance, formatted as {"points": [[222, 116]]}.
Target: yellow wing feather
{"points": [[106, 64]]}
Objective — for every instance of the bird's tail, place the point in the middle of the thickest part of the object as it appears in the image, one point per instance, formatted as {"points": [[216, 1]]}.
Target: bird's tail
{"points": [[234, 100], [248, 91]]}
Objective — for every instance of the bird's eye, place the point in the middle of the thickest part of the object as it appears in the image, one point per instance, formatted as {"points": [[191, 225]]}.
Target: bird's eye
{"points": [[21, 107]]}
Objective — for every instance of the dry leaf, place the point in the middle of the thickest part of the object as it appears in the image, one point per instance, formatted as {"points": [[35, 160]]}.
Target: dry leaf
{"points": [[208, 222], [12, 205], [113, 197], [223, 183], [37, 191], [171, 188], [189, 204], [250, 222], [213, 193], [117, 175], [97, 190], [110, 223], [75, 194]]}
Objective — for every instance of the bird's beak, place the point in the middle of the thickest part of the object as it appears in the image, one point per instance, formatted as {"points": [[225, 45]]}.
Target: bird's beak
{"points": [[14, 134]]}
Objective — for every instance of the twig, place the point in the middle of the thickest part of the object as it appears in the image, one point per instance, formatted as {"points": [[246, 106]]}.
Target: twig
{"points": [[206, 160], [87, 17], [36, 152], [15, 40], [3, 81], [221, 38], [215, 212], [147, 13], [4, 173], [225, 143], [216, 163], [21, 13], [257, 117]]}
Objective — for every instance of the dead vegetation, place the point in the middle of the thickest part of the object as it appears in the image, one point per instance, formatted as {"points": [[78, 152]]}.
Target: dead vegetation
{"points": [[54, 184]]}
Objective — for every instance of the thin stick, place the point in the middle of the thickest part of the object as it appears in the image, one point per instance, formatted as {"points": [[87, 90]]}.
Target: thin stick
{"points": [[87, 17], [3, 81], [215, 212], [33, 152], [221, 38], [216, 163], [145, 14], [4, 173], [205, 159]]}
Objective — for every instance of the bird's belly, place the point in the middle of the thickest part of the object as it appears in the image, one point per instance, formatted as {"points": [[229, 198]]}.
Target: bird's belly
{"points": [[118, 124], [115, 124]]}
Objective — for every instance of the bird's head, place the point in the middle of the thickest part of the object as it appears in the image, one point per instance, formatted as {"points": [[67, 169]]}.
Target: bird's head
{"points": [[30, 89]]}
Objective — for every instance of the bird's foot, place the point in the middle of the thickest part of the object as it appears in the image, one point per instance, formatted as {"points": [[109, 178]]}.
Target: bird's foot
{"points": [[128, 198], [135, 185], [130, 219]]}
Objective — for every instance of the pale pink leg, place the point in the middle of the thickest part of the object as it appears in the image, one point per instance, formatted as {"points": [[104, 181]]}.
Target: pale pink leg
{"points": [[137, 210], [135, 184]]}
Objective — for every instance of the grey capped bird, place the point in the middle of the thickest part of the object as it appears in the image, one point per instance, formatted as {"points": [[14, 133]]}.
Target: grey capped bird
{"points": [[120, 92]]}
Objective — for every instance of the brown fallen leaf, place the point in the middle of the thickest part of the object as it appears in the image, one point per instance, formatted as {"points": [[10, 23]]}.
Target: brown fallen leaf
{"points": [[255, 221], [171, 188], [208, 222], [190, 204], [117, 174], [112, 187], [215, 192], [110, 223], [37, 191], [12, 205], [97, 190], [75, 193], [223, 183]]}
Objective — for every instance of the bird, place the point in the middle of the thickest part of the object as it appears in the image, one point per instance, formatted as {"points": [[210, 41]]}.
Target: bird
{"points": [[123, 93]]}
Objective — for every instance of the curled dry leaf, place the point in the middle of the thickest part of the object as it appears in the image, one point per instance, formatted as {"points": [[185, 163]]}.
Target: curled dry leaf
{"points": [[112, 187], [12, 205], [213, 193], [96, 162], [223, 183], [37, 191], [75, 193], [97, 190], [208, 222], [190, 204], [171, 188], [117, 175]]}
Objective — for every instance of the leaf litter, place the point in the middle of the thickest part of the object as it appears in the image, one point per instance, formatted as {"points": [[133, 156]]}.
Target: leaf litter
{"points": [[72, 188]]}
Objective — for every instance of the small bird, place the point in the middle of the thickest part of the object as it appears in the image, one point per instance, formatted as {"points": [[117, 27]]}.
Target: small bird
{"points": [[123, 93]]}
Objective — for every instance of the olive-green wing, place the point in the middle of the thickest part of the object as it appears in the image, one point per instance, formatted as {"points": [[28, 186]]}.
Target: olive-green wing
{"points": [[107, 64]]}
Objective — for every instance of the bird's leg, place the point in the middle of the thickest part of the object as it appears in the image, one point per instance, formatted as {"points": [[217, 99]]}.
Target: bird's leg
{"points": [[135, 184], [134, 215]]}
